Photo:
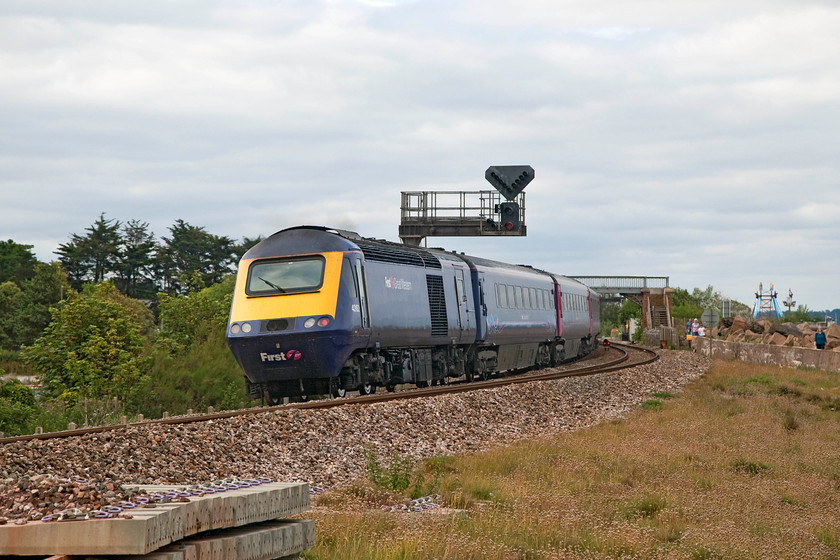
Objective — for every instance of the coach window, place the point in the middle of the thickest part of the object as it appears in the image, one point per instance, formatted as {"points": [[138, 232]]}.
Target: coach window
{"points": [[526, 299], [510, 295], [501, 295], [518, 293]]}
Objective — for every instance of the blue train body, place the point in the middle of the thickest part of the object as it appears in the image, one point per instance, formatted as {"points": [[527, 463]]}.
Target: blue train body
{"points": [[318, 310]]}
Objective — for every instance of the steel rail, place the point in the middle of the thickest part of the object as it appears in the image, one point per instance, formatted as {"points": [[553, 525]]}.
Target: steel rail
{"points": [[460, 387]]}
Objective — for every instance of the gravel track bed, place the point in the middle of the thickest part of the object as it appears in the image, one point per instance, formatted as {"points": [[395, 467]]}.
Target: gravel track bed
{"points": [[324, 447]]}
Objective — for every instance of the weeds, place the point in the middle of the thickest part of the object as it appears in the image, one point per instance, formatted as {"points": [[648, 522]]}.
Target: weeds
{"points": [[396, 476], [653, 404], [750, 468], [707, 477]]}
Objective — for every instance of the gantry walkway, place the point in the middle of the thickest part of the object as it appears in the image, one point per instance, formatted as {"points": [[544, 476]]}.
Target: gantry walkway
{"points": [[651, 293]]}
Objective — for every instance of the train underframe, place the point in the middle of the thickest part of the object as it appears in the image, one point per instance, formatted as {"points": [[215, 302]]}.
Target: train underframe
{"points": [[367, 369]]}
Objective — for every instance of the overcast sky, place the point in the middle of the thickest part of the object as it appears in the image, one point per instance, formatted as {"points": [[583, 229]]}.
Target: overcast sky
{"points": [[698, 140]]}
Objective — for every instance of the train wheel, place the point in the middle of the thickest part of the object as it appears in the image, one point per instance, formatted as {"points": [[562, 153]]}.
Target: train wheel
{"points": [[367, 389], [336, 390], [390, 387]]}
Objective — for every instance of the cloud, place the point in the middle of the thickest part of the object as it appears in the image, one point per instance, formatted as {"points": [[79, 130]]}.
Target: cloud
{"points": [[695, 140]]}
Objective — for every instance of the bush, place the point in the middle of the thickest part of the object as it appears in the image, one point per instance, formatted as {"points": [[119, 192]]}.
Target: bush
{"points": [[94, 348], [17, 406]]}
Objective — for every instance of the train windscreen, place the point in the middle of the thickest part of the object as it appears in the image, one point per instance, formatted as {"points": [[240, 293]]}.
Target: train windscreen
{"points": [[285, 276]]}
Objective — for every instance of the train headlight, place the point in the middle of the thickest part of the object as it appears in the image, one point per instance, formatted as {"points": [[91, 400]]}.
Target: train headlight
{"points": [[309, 323], [234, 328], [246, 327]]}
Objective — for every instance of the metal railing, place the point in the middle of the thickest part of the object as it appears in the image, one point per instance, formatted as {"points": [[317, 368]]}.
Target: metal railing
{"points": [[619, 284], [431, 206]]}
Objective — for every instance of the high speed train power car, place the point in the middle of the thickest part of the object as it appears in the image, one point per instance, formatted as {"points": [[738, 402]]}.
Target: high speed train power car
{"points": [[318, 310]]}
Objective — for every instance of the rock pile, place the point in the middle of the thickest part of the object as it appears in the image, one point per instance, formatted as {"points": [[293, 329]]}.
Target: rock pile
{"points": [[739, 329]]}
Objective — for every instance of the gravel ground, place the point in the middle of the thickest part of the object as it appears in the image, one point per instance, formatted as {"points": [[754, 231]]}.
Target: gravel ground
{"points": [[324, 447]]}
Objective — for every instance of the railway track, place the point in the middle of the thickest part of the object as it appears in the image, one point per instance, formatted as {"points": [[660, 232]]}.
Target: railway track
{"points": [[618, 357]]}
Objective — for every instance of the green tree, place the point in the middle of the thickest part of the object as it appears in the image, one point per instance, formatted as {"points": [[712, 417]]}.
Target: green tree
{"points": [[684, 305], [629, 310], [25, 309], [706, 299], [16, 261], [242, 247], [192, 318], [135, 261], [10, 295], [94, 347], [93, 257], [191, 341], [189, 251]]}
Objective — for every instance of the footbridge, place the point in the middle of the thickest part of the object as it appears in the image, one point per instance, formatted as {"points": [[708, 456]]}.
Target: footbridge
{"points": [[651, 293]]}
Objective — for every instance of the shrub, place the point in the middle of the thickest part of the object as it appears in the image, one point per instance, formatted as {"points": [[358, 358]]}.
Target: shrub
{"points": [[17, 406], [94, 347], [396, 476]]}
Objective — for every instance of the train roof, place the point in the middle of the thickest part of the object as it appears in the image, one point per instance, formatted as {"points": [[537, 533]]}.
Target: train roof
{"points": [[299, 239]]}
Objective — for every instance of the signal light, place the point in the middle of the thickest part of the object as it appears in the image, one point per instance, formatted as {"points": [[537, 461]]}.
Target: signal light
{"points": [[509, 180], [509, 212]]}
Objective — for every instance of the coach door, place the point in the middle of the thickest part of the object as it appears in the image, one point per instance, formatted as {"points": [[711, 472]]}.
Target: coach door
{"points": [[353, 281], [362, 287], [465, 321]]}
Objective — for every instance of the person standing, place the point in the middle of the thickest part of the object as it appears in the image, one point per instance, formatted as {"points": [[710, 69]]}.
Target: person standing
{"points": [[819, 339], [695, 327], [701, 330]]}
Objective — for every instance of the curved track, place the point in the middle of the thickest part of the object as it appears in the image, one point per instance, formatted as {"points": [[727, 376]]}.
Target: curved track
{"points": [[618, 353]]}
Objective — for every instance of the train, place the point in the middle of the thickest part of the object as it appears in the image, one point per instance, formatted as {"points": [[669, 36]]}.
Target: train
{"points": [[323, 311]]}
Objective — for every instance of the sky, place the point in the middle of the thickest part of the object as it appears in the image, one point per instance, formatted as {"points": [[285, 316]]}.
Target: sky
{"points": [[698, 140]]}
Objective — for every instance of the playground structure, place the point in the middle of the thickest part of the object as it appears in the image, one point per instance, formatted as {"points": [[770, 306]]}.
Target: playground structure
{"points": [[767, 304]]}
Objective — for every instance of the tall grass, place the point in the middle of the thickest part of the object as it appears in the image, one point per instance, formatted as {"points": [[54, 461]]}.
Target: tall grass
{"points": [[717, 472]]}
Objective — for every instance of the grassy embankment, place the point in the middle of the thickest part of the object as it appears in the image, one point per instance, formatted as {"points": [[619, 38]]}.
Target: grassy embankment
{"points": [[744, 464]]}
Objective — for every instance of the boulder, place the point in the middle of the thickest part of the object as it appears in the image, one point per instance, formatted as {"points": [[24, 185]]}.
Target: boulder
{"points": [[739, 324], [833, 331], [765, 326], [787, 329], [792, 341], [777, 339], [751, 336], [736, 337]]}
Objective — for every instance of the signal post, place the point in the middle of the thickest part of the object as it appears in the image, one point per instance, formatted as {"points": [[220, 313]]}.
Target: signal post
{"points": [[469, 213]]}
